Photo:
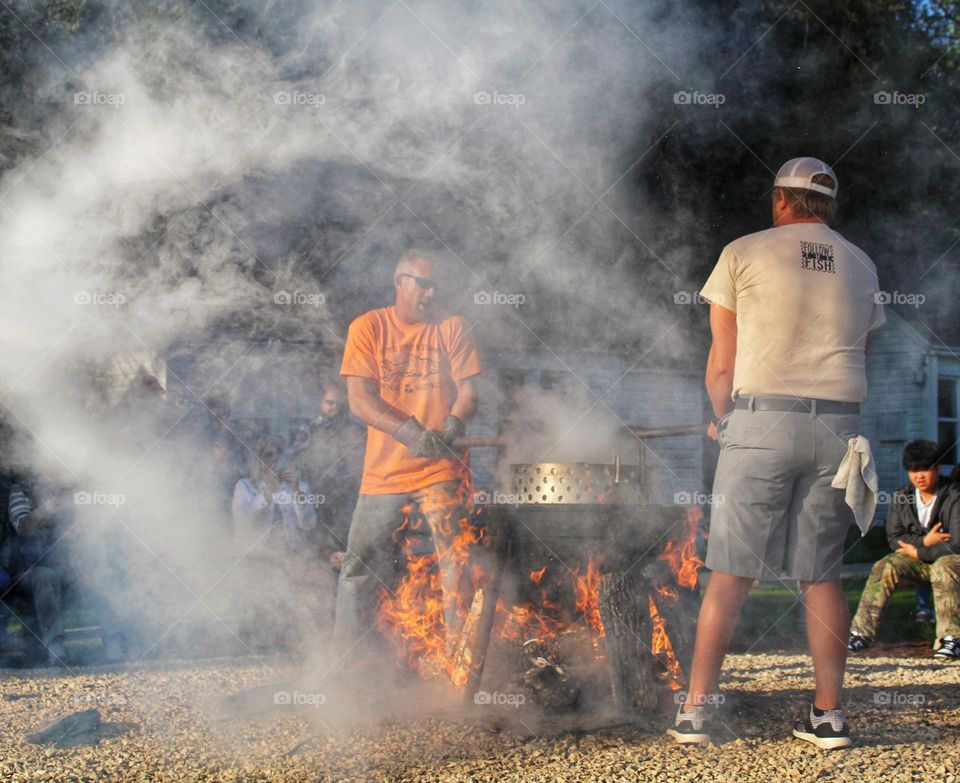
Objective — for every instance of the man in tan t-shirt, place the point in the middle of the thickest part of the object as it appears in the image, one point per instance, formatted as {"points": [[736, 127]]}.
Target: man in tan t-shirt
{"points": [[411, 377], [791, 312]]}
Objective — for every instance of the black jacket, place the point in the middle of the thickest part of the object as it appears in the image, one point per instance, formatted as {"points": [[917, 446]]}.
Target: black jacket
{"points": [[903, 522]]}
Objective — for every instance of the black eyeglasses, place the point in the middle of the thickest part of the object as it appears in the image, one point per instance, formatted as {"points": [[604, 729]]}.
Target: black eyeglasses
{"points": [[422, 282]]}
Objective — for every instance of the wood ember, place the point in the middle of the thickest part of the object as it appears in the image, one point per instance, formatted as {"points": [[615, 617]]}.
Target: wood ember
{"points": [[546, 679]]}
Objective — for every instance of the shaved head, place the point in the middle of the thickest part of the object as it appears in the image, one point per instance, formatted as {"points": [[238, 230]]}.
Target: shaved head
{"points": [[411, 261]]}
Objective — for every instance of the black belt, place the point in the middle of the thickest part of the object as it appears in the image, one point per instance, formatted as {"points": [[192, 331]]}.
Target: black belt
{"points": [[797, 404]]}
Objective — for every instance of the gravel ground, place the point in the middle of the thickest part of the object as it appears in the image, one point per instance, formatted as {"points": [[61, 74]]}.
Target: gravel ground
{"points": [[160, 724]]}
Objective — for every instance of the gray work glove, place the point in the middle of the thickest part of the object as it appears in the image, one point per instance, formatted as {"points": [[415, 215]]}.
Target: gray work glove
{"points": [[420, 441], [453, 428]]}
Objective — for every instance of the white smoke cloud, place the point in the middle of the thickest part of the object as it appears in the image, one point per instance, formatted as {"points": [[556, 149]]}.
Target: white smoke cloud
{"points": [[193, 174]]}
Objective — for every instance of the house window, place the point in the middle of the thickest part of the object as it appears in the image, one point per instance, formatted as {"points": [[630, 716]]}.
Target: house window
{"points": [[947, 418]]}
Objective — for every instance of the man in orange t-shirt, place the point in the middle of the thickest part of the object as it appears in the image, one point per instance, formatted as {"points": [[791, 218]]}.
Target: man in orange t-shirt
{"points": [[410, 376]]}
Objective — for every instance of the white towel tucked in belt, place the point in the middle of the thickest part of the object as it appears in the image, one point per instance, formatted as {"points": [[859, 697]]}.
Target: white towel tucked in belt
{"points": [[858, 475]]}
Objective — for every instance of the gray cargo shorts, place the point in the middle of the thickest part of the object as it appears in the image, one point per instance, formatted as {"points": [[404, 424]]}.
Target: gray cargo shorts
{"points": [[775, 514]]}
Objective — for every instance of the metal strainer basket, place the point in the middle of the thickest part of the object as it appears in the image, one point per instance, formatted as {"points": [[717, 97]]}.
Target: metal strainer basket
{"points": [[580, 483]]}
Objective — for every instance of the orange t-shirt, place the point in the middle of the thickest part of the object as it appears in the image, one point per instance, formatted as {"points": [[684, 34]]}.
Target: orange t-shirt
{"points": [[416, 366]]}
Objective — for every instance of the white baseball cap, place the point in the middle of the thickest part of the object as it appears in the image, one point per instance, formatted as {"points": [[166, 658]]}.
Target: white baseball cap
{"points": [[799, 173]]}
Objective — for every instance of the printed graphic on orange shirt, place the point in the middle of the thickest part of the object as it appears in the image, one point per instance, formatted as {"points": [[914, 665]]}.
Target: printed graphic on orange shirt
{"points": [[410, 366]]}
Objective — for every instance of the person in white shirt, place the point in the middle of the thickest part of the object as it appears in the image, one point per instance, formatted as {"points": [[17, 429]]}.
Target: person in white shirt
{"points": [[792, 309], [270, 508]]}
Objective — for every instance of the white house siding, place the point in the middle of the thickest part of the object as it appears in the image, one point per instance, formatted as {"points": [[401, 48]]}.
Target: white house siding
{"points": [[900, 380]]}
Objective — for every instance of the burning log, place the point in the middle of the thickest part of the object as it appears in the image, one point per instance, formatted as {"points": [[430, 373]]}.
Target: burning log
{"points": [[680, 608], [627, 626], [490, 596], [463, 654]]}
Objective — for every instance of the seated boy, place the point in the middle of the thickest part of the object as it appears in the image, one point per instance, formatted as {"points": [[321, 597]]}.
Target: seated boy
{"points": [[923, 529]]}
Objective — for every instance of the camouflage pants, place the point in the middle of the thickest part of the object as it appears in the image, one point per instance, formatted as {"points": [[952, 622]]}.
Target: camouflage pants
{"points": [[894, 571]]}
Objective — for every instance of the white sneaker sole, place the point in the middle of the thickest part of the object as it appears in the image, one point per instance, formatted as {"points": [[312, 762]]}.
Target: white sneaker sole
{"points": [[824, 743], [682, 738]]}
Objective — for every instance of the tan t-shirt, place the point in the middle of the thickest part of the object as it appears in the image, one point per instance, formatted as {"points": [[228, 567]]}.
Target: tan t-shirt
{"points": [[805, 299], [417, 367]]}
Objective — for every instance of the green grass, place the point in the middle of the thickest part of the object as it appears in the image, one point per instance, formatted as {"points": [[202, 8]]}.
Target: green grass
{"points": [[866, 549], [772, 619]]}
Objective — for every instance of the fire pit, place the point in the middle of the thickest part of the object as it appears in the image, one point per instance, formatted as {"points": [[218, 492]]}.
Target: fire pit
{"points": [[580, 586], [591, 556]]}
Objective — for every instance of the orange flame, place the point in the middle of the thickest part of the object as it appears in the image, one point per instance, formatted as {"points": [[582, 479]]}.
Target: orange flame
{"points": [[660, 646], [586, 590], [536, 576], [417, 610], [682, 558]]}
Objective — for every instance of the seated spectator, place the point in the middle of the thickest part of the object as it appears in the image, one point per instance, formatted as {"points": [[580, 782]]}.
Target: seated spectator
{"points": [[31, 557], [270, 508], [273, 512], [923, 529]]}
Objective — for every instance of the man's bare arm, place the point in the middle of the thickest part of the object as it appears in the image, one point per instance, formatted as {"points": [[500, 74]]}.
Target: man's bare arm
{"points": [[722, 358], [465, 406]]}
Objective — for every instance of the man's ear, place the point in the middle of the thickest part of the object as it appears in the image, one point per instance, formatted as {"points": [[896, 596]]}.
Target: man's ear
{"points": [[780, 199]]}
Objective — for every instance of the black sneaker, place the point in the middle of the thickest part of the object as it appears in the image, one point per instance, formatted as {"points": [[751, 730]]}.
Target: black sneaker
{"points": [[949, 648], [827, 730], [858, 643], [688, 727]]}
